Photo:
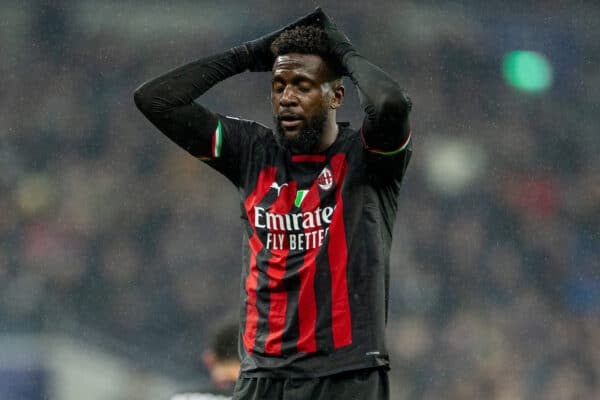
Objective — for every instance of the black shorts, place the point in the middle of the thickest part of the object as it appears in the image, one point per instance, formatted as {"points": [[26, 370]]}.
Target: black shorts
{"points": [[371, 384]]}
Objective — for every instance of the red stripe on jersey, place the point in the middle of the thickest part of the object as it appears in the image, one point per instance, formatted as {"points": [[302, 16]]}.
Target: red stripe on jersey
{"points": [[263, 185], [277, 263], [307, 303], [308, 158], [341, 323]]}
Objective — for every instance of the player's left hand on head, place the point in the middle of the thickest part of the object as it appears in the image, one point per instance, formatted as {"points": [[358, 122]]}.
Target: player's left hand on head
{"points": [[338, 41]]}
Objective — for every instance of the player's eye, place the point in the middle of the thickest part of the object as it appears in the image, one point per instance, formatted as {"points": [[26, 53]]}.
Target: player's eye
{"points": [[304, 88], [278, 87]]}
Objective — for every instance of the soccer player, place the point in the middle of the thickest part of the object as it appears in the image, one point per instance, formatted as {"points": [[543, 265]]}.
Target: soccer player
{"points": [[319, 201]]}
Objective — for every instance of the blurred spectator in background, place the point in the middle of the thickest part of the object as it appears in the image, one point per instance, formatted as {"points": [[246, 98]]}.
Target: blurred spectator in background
{"points": [[222, 362]]}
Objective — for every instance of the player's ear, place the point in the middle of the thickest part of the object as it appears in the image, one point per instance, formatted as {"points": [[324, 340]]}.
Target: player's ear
{"points": [[338, 91]]}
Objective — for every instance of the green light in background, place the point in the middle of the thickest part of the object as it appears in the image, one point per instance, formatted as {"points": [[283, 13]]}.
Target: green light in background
{"points": [[527, 70]]}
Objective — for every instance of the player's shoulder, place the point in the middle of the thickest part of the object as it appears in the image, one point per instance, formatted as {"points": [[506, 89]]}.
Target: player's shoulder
{"points": [[346, 131], [348, 136], [257, 127]]}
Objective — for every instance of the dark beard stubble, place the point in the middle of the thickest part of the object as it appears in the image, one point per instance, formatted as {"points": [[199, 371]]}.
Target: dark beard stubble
{"points": [[307, 139]]}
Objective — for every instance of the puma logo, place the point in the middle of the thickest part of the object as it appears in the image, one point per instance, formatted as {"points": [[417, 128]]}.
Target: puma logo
{"points": [[278, 187]]}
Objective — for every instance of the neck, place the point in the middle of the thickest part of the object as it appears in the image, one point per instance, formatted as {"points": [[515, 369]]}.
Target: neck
{"points": [[330, 132]]}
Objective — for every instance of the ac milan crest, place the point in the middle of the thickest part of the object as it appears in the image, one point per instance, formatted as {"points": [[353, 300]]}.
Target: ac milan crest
{"points": [[325, 179]]}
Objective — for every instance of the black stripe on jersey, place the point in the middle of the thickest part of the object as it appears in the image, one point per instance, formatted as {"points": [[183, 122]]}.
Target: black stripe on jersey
{"points": [[292, 284]]}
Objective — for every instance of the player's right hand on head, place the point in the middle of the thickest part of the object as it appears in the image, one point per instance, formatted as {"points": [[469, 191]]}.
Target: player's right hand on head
{"points": [[259, 50]]}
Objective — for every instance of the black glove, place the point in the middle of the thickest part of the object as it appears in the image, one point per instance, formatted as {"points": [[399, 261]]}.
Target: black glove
{"points": [[338, 42], [260, 57]]}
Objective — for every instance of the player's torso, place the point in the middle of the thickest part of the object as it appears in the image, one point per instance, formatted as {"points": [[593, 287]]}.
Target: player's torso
{"points": [[301, 215]]}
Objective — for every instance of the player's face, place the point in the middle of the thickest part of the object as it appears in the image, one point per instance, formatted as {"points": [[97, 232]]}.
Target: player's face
{"points": [[301, 96]]}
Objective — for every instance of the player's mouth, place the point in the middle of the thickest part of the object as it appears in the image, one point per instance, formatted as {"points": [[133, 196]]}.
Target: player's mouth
{"points": [[290, 121]]}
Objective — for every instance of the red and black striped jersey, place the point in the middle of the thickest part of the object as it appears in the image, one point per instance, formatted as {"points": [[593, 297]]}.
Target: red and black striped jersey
{"points": [[318, 231]]}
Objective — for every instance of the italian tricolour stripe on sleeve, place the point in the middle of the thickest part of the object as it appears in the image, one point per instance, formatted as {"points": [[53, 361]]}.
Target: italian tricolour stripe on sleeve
{"points": [[216, 144], [402, 147]]}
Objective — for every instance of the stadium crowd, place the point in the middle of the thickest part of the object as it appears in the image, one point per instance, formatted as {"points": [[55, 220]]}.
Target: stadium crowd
{"points": [[496, 263]]}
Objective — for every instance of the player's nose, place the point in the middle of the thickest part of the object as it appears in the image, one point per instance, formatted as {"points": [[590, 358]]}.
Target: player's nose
{"points": [[288, 97]]}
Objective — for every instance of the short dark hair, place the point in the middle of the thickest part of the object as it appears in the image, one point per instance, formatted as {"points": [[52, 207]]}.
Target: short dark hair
{"points": [[307, 39], [224, 342]]}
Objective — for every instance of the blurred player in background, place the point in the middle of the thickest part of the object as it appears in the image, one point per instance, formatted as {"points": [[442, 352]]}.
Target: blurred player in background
{"points": [[223, 364], [318, 199]]}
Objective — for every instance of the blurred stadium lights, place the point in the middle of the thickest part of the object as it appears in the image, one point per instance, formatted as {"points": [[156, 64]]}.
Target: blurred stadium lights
{"points": [[528, 71], [452, 166]]}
